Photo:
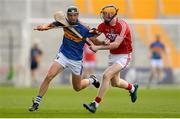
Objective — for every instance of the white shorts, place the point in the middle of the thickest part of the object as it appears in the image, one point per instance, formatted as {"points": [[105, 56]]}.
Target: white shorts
{"points": [[89, 64], [73, 65], [156, 63], [122, 59]]}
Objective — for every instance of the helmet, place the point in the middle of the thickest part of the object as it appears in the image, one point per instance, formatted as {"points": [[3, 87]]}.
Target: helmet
{"points": [[72, 9], [108, 13]]}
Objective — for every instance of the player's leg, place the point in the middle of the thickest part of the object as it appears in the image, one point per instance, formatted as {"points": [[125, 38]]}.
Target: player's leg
{"points": [[77, 81], [34, 67], [152, 72], [160, 70], [52, 72], [33, 74], [113, 74], [159, 73], [116, 81], [121, 61], [79, 84], [54, 69], [33, 78], [107, 75]]}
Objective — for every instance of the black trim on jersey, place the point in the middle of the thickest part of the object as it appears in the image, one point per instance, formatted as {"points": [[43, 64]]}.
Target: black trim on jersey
{"points": [[56, 23]]}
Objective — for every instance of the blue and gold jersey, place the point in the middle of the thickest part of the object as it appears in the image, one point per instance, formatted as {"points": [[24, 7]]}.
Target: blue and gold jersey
{"points": [[72, 45], [157, 48]]}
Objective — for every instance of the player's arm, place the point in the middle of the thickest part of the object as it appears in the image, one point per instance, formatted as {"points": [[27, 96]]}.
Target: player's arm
{"points": [[164, 49], [93, 41], [97, 34], [47, 26], [111, 46], [96, 41]]}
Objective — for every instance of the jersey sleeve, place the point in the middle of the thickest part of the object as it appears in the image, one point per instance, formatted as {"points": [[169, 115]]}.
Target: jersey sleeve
{"points": [[56, 23], [88, 34], [123, 29], [100, 27]]}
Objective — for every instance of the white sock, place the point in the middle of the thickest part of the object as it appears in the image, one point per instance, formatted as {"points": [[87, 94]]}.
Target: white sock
{"points": [[132, 89], [91, 80], [96, 104]]}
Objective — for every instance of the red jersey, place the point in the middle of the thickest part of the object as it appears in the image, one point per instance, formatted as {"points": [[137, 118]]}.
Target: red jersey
{"points": [[88, 55], [122, 29]]}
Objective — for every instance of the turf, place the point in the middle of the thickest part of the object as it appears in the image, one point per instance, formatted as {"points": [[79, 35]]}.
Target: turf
{"points": [[64, 102]]}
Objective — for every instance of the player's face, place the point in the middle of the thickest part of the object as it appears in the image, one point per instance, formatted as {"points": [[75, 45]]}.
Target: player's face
{"points": [[72, 18], [108, 13], [107, 16]]}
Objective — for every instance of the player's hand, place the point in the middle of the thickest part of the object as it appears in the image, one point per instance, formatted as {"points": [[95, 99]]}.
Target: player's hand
{"points": [[94, 48], [107, 41], [94, 31], [41, 28]]}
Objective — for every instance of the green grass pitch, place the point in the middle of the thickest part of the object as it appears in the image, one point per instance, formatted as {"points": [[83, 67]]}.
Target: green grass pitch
{"points": [[65, 102]]}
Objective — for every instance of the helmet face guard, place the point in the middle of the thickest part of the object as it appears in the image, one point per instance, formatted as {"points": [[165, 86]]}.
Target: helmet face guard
{"points": [[72, 11], [108, 13]]}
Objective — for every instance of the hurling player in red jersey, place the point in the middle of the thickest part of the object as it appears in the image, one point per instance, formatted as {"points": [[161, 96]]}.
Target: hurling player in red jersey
{"points": [[118, 42]]}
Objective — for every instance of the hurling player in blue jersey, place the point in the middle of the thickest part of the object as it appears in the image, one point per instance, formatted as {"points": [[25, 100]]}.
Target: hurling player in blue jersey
{"points": [[69, 56], [157, 49]]}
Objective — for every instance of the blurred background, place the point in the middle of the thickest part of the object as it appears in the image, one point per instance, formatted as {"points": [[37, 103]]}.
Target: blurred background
{"points": [[147, 19]]}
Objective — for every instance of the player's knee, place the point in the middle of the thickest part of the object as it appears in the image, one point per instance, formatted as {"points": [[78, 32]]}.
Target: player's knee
{"points": [[77, 88], [114, 84], [49, 77], [105, 76]]}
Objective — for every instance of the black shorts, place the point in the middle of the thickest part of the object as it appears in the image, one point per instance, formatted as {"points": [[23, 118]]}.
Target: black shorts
{"points": [[34, 65]]}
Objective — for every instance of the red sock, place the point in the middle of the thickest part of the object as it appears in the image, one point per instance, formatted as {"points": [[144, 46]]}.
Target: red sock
{"points": [[98, 99], [129, 86]]}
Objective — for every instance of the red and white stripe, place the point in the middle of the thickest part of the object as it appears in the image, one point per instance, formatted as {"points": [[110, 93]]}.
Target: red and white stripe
{"points": [[128, 60]]}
